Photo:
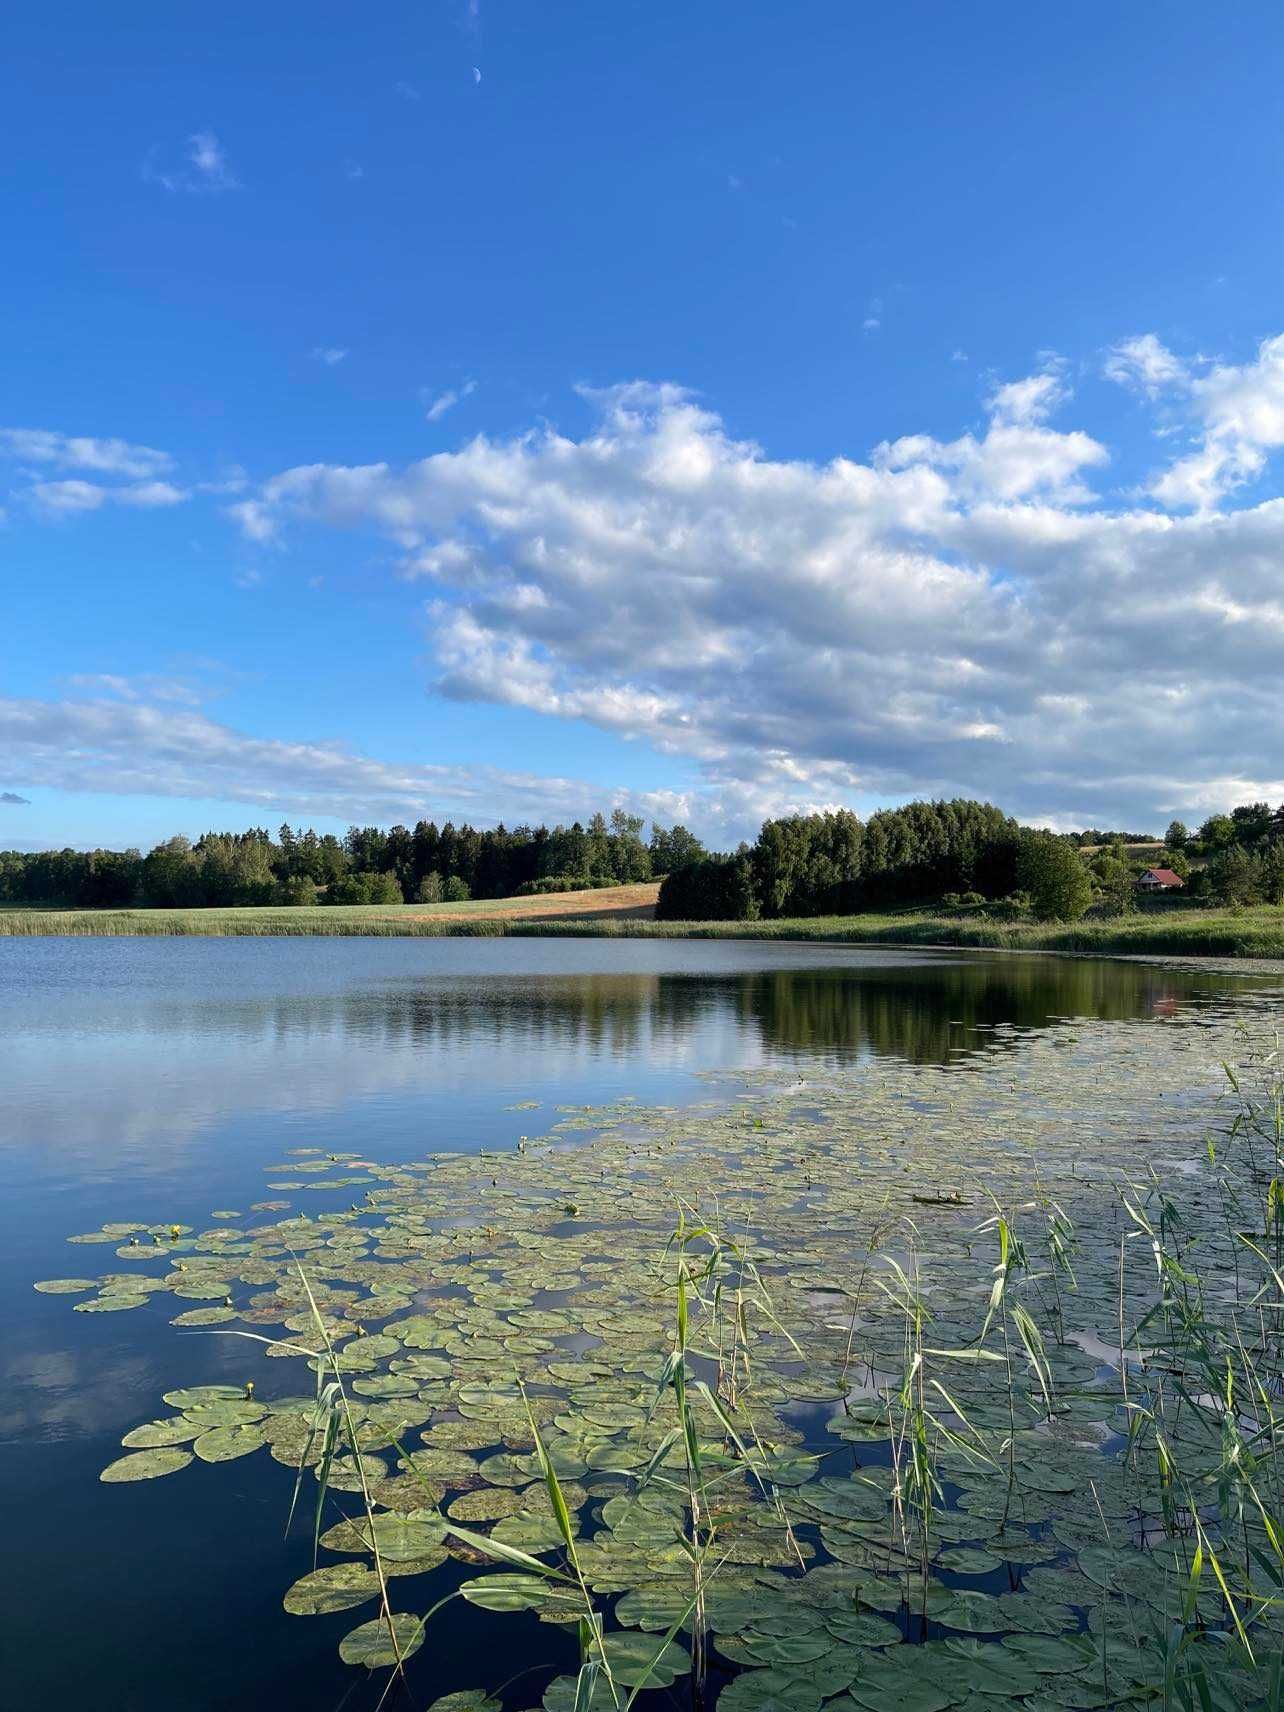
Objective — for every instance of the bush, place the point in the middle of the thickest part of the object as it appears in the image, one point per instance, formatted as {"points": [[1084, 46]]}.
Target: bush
{"points": [[455, 891], [428, 891], [1052, 871], [365, 888], [719, 888], [297, 890]]}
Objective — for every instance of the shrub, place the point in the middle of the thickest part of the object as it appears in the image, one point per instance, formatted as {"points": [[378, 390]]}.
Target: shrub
{"points": [[1052, 871], [719, 888]]}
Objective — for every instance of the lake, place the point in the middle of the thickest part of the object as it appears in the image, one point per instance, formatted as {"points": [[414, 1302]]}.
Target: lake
{"points": [[152, 1080]]}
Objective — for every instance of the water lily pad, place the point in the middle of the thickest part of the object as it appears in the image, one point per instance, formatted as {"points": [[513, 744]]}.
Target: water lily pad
{"points": [[400, 1538], [377, 1644], [225, 1444], [146, 1464], [521, 1592], [151, 1435], [337, 1587], [466, 1700], [193, 1396], [641, 1659], [65, 1286]]}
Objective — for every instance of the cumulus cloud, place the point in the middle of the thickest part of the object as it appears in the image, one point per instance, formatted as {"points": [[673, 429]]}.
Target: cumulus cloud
{"points": [[949, 615], [11, 799], [1238, 412], [330, 355], [1147, 364]]}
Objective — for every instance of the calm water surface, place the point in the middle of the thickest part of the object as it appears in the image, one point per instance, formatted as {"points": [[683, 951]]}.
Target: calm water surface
{"points": [[153, 1079]]}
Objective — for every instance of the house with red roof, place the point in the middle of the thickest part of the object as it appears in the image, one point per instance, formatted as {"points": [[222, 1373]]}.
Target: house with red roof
{"points": [[1160, 880]]}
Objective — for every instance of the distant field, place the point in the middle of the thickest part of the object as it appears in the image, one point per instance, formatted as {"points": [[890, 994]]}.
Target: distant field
{"points": [[610, 904], [629, 911]]}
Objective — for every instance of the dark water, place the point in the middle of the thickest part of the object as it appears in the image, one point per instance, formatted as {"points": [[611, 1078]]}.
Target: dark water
{"points": [[152, 1079]]}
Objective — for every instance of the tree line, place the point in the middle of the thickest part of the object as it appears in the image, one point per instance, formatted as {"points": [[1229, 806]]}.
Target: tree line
{"points": [[837, 864], [370, 864], [969, 854], [957, 854]]}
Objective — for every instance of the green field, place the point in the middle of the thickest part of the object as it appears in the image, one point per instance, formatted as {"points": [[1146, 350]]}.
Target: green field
{"points": [[1257, 932]]}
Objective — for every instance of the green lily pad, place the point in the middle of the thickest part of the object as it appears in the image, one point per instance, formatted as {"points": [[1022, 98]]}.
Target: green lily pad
{"points": [[146, 1464], [466, 1700], [521, 1592], [337, 1587], [225, 1444], [400, 1538], [193, 1396], [151, 1435], [640, 1659], [376, 1645]]}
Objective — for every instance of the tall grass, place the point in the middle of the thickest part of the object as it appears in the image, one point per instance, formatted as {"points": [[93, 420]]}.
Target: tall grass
{"points": [[1256, 932]]}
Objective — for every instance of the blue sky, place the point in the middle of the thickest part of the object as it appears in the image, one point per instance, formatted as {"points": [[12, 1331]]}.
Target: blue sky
{"points": [[493, 411]]}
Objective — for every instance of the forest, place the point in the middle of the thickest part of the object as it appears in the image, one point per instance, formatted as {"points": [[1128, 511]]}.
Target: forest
{"points": [[959, 854], [969, 855], [427, 864]]}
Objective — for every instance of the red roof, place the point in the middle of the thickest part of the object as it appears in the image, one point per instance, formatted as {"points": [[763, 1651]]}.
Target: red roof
{"points": [[1164, 876]]}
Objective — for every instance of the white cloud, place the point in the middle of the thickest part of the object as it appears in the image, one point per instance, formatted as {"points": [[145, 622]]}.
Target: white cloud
{"points": [[1145, 363], [407, 91], [436, 407], [123, 745], [1019, 403], [82, 452], [137, 470], [950, 615], [64, 498], [204, 167], [148, 495], [149, 686], [476, 74], [1238, 411], [67, 498], [330, 355]]}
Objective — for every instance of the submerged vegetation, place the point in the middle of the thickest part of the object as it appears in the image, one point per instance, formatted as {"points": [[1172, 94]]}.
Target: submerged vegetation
{"points": [[951, 1386]]}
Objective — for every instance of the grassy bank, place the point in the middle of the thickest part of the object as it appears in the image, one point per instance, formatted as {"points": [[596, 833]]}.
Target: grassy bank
{"points": [[1257, 932], [628, 911]]}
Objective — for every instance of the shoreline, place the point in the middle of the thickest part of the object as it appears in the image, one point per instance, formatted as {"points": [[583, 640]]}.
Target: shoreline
{"points": [[1247, 941]]}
